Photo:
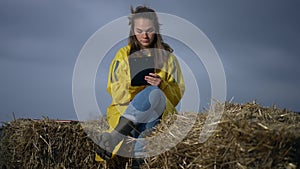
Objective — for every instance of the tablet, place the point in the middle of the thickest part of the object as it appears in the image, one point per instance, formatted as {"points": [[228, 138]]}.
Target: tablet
{"points": [[139, 68]]}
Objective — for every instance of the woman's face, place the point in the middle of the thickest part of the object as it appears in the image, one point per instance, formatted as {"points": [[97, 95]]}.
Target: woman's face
{"points": [[144, 31]]}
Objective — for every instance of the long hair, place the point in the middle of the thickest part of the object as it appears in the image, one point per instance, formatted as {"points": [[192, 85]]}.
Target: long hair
{"points": [[160, 55]]}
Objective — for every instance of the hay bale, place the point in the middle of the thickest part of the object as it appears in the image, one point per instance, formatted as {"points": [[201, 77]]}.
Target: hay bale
{"points": [[1, 132], [247, 136], [46, 143]]}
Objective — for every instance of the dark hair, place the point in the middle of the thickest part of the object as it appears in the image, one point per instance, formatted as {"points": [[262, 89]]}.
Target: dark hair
{"points": [[158, 43]]}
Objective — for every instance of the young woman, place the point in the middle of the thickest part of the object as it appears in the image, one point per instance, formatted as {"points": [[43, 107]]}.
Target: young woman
{"points": [[135, 110]]}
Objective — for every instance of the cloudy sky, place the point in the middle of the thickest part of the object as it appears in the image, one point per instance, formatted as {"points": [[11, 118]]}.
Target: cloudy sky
{"points": [[258, 43]]}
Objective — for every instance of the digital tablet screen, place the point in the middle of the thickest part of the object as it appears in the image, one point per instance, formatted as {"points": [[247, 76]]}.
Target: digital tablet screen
{"points": [[139, 68]]}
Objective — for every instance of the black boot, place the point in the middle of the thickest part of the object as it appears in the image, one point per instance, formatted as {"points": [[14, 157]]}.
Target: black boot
{"points": [[108, 141], [137, 163]]}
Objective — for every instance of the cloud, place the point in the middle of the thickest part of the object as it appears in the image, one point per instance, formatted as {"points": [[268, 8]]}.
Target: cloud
{"points": [[258, 42]]}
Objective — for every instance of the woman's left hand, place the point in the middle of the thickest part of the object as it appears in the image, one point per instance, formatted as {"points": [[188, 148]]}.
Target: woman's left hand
{"points": [[153, 79]]}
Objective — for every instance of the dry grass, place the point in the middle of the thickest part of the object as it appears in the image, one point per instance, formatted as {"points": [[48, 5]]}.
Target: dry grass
{"points": [[247, 136]]}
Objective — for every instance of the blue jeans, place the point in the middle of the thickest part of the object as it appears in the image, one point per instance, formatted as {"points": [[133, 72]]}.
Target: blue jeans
{"points": [[145, 110]]}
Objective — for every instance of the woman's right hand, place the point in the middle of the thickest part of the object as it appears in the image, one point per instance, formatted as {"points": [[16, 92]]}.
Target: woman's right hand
{"points": [[153, 79]]}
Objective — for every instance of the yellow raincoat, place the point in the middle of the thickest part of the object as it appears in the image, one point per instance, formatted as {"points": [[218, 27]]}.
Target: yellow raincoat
{"points": [[122, 92]]}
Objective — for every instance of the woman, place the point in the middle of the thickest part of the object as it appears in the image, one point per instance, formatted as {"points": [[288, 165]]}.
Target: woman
{"points": [[135, 110]]}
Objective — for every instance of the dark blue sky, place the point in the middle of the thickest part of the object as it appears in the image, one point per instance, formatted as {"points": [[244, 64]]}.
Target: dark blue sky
{"points": [[257, 41]]}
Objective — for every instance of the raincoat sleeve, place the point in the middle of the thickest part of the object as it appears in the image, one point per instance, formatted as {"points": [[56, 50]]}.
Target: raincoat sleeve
{"points": [[119, 80], [173, 83]]}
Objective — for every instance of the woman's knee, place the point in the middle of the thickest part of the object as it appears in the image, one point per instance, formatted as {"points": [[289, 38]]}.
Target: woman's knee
{"points": [[145, 98]]}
